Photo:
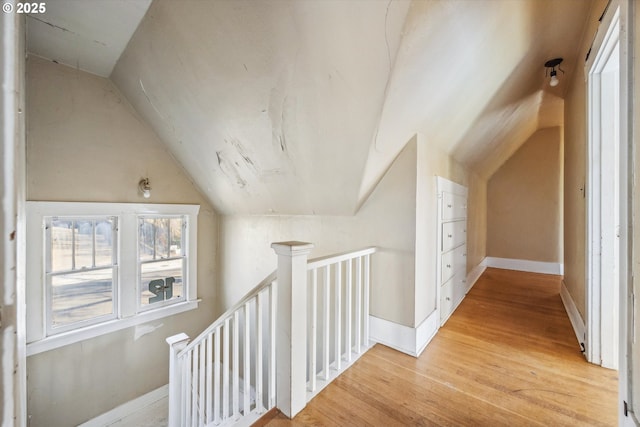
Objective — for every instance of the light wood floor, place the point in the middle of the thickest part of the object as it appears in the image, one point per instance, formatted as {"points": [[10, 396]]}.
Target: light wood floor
{"points": [[507, 357]]}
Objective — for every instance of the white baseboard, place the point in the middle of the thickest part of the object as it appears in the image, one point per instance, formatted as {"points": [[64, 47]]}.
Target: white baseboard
{"points": [[128, 408], [475, 273], [408, 340], [426, 331], [526, 265], [574, 315]]}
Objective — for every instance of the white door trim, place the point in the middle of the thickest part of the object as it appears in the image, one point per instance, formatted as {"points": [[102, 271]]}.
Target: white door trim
{"points": [[598, 302], [627, 131]]}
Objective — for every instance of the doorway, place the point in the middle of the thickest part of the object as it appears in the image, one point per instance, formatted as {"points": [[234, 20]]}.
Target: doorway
{"points": [[604, 204]]}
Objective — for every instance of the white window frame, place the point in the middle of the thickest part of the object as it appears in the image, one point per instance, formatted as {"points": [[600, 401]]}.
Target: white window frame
{"points": [[127, 307], [48, 277], [185, 269]]}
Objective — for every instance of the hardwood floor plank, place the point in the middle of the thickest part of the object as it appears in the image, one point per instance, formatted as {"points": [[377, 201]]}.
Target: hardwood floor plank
{"points": [[506, 357]]}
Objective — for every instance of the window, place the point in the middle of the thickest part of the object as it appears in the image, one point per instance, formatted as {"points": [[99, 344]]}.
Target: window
{"points": [[80, 271], [161, 260], [98, 267]]}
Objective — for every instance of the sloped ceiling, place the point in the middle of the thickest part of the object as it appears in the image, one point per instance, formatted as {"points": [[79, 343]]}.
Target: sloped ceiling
{"points": [[299, 107], [470, 77], [88, 35], [269, 105]]}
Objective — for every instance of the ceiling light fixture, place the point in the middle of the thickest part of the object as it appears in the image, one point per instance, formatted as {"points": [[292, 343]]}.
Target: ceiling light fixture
{"points": [[145, 188], [551, 69]]}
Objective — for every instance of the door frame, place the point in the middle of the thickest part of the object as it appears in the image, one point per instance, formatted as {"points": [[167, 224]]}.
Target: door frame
{"points": [[601, 305], [627, 153], [624, 11]]}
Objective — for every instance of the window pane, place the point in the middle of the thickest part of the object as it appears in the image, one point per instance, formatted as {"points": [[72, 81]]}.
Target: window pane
{"points": [[104, 242], [175, 247], [161, 281], [162, 238], [81, 296], [61, 241], [146, 239], [84, 244]]}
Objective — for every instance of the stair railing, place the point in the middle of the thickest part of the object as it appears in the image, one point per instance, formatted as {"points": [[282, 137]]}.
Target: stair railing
{"points": [[338, 317], [264, 351], [227, 373]]}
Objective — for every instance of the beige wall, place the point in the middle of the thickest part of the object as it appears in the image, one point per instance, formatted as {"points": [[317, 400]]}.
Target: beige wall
{"points": [[524, 201], [575, 155], [399, 217], [386, 220], [86, 143], [432, 161], [476, 221]]}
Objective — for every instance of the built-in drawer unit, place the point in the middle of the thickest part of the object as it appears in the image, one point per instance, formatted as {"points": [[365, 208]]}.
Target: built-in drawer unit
{"points": [[452, 246]]}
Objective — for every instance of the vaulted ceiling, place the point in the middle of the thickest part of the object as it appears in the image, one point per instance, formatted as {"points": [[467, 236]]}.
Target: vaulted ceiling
{"points": [[300, 106]]}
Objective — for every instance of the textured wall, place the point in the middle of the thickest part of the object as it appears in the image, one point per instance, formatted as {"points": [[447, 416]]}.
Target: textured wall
{"points": [[85, 143]]}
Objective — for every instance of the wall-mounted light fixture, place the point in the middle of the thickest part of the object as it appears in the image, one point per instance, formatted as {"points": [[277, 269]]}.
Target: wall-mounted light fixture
{"points": [[551, 69], [145, 188]]}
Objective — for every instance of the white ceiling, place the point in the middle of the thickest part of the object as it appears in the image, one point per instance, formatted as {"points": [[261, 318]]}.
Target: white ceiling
{"points": [[299, 107], [86, 34]]}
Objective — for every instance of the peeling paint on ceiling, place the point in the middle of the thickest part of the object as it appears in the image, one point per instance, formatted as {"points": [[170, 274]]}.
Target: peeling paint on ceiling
{"points": [[299, 107]]}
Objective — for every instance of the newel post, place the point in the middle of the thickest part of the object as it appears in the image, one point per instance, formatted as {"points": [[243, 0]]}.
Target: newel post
{"points": [[291, 329], [176, 344]]}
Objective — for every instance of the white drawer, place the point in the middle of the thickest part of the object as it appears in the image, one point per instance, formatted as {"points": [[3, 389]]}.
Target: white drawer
{"points": [[453, 262], [453, 234], [446, 299], [459, 287], [453, 206], [460, 259], [448, 267]]}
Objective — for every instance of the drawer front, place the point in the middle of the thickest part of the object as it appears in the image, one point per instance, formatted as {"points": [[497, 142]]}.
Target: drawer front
{"points": [[453, 206], [459, 287], [453, 262], [453, 234], [460, 259], [446, 299], [448, 267]]}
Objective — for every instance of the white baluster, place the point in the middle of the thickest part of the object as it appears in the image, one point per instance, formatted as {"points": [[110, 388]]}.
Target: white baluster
{"points": [[326, 318], [312, 339], [187, 388], [194, 387], [201, 384], [338, 315], [272, 345], [226, 366], [348, 306], [236, 364], [259, 355], [216, 377], [358, 305], [367, 284], [247, 360], [210, 396]]}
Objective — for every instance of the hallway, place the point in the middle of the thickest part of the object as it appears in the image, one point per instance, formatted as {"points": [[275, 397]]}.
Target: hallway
{"points": [[507, 357]]}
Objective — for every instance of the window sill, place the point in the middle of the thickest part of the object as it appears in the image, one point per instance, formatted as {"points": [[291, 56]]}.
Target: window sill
{"points": [[71, 337]]}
